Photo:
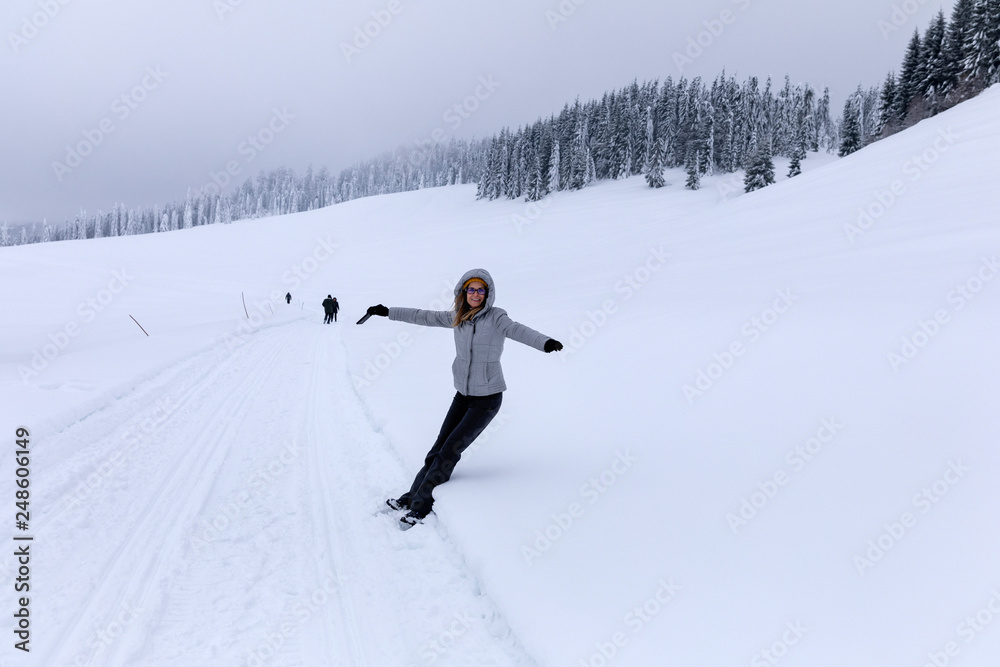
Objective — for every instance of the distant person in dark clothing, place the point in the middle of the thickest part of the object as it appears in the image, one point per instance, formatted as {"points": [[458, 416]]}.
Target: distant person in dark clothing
{"points": [[288, 298], [330, 307], [336, 308]]}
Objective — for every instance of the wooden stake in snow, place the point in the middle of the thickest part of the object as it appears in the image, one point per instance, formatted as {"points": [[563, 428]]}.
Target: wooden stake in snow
{"points": [[139, 325], [245, 305]]}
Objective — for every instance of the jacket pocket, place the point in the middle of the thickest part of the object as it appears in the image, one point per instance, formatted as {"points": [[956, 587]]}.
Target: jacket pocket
{"points": [[494, 373]]}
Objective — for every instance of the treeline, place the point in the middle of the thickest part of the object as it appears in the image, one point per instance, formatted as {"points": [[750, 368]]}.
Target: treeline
{"points": [[270, 193], [728, 126], [643, 128], [951, 62]]}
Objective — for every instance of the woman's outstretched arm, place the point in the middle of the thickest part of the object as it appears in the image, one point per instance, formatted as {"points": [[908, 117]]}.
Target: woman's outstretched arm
{"points": [[427, 318]]}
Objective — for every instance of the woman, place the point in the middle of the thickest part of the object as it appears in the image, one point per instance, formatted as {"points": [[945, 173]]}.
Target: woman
{"points": [[480, 331]]}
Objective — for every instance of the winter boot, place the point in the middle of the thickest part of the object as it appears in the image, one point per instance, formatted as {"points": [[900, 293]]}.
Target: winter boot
{"points": [[397, 505]]}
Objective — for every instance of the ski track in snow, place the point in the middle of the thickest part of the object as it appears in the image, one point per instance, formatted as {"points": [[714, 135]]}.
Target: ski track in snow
{"points": [[261, 541]]}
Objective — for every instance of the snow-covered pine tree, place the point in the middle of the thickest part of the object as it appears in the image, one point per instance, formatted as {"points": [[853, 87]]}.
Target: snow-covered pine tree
{"points": [[932, 72], [99, 221], [600, 144], [727, 153], [132, 223], [187, 221], [517, 167], [535, 192], [506, 164], [760, 171], [666, 120], [982, 62], [955, 44], [706, 133], [692, 167], [907, 85], [850, 129], [868, 113], [888, 123], [798, 151], [649, 140], [654, 171], [555, 183], [486, 179], [578, 157], [823, 122]]}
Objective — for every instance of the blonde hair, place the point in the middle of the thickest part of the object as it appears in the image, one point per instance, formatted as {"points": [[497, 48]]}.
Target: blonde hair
{"points": [[463, 311]]}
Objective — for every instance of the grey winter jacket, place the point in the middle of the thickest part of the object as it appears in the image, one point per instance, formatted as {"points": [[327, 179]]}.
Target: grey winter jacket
{"points": [[479, 341]]}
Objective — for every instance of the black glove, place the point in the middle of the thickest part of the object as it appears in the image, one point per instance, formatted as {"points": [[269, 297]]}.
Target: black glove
{"points": [[552, 345], [379, 310]]}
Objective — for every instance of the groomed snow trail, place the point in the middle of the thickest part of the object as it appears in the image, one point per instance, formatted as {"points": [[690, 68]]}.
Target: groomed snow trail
{"points": [[230, 514]]}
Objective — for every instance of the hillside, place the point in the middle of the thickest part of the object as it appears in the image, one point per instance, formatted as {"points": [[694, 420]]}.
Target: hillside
{"points": [[771, 435]]}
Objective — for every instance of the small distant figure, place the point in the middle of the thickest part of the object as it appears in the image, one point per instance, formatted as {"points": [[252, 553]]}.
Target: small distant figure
{"points": [[330, 306], [288, 298]]}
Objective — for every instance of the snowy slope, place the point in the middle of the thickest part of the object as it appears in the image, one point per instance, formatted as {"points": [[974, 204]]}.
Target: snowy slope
{"points": [[770, 438]]}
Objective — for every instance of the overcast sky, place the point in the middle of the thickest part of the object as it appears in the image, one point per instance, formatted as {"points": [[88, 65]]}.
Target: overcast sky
{"points": [[110, 101]]}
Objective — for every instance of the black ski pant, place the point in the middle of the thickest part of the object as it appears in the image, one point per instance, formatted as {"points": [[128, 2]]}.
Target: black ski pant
{"points": [[466, 419], [328, 319]]}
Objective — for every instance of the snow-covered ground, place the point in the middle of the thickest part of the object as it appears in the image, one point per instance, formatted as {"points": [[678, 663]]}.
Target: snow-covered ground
{"points": [[771, 438]]}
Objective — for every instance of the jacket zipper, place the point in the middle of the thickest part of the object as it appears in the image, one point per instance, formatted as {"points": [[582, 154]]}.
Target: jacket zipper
{"points": [[468, 370]]}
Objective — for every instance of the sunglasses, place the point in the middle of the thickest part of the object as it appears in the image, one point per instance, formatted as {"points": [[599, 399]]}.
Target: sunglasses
{"points": [[475, 290]]}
